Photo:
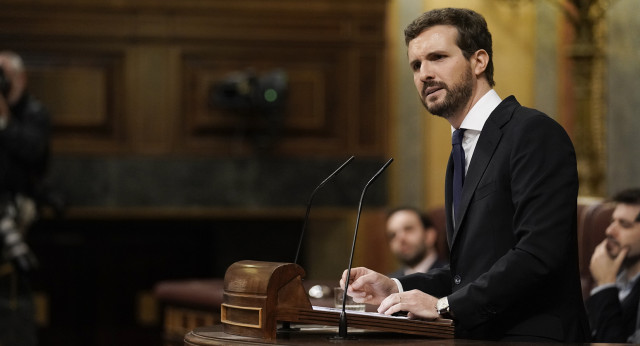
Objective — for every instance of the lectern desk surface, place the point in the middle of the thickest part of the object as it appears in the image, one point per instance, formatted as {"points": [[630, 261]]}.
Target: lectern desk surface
{"points": [[315, 335]]}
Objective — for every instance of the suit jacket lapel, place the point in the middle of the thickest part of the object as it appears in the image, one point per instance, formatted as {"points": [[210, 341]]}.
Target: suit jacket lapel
{"points": [[448, 200], [486, 146]]}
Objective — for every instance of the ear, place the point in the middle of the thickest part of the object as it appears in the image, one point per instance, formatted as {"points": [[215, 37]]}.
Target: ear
{"points": [[479, 62]]}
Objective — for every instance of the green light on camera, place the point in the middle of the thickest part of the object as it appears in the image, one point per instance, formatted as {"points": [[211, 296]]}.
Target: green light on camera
{"points": [[270, 95]]}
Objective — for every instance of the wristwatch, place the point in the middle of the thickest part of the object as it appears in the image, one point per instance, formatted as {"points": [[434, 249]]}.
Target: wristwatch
{"points": [[442, 308]]}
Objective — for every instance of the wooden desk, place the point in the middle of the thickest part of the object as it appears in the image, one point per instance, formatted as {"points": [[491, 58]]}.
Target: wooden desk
{"points": [[321, 335], [316, 335]]}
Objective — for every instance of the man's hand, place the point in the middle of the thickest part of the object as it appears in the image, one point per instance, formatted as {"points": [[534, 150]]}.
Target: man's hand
{"points": [[604, 269], [417, 303], [368, 286]]}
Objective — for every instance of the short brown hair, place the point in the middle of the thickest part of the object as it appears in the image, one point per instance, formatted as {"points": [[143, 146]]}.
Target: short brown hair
{"points": [[628, 196], [473, 33]]}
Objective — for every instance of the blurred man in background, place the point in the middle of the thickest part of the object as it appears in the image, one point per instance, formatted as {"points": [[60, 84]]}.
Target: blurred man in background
{"points": [[412, 240], [24, 154], [615, 266]]}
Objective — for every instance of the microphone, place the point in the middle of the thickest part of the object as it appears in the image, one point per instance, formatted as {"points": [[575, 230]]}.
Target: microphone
{"points": [[342, 327], [306, 217], [286, 326]]}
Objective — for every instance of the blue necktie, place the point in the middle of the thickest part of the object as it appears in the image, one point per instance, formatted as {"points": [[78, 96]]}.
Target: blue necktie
{"points": [[458, 168]]}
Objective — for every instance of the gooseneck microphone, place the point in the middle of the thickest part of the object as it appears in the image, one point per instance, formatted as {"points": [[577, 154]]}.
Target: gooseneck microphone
{"points": [[342, 327], [286, 326], [306, 217]]}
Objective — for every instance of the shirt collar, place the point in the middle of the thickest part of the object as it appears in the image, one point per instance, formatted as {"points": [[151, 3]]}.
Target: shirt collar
{"points": [[622, 278], [479, 113], [424, 265]]}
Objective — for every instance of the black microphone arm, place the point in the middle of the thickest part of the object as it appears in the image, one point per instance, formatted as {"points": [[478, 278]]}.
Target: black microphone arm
{"points": [[306, 217], [342, 327]]}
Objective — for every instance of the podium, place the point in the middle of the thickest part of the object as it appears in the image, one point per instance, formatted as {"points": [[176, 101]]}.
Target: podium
{"points": [[257, 295]]}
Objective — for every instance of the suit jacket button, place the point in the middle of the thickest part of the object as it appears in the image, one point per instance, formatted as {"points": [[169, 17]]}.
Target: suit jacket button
{"points": [[457, 279]]}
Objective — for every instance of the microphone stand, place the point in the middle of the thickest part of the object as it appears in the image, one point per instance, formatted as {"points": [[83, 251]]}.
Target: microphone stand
{"points": [[342, 326], [286, 325], [306, 217]]}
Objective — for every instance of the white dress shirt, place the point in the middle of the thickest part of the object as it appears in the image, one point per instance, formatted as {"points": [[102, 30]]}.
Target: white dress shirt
{"points": [[473, 123]]}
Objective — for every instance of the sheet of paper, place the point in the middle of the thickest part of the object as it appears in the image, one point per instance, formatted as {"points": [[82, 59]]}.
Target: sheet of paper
{"points": [[322, 308]]}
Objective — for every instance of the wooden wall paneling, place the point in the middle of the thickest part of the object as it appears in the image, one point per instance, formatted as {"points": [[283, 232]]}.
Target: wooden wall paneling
{"points": [[373, 101], [154, 91], [147, 67], [85, 92], [317, 85]]}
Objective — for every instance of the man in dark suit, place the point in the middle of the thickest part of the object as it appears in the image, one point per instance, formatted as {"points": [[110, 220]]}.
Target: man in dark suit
{"points": [[412, 239], [24, 152], [513, 271], [615, 267]]}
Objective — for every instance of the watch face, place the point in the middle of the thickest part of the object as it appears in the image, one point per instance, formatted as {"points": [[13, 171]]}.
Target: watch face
{"points": [[442, 306]]}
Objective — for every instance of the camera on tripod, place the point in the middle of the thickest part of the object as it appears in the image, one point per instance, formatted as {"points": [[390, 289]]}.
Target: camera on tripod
{"points": [[5, 83]]}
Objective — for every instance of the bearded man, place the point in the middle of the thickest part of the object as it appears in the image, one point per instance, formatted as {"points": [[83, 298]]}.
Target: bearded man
{"points": [[615, 268], [511, 192], [412, 240]]}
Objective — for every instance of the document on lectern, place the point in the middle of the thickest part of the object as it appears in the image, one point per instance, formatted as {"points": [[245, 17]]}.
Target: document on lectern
{"points": [[354, 312], [442, 328]]}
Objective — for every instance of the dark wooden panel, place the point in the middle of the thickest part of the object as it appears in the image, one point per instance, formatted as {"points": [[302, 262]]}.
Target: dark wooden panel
{"points": [[317, 85], [134, 77], [84, 90]]}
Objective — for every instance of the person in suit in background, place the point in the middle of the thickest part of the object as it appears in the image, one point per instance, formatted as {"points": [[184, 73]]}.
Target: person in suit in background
{"points": [[615, 267], [24, 155], [412, 240], [512, 234]]}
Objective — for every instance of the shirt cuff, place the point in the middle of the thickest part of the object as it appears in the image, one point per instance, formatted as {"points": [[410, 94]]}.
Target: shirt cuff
{"points": [[600, 288], [400, 290]]}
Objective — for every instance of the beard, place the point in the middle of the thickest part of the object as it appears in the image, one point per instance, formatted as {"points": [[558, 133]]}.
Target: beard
{"points": [[614, 248], [456, 97], [413, 258]]}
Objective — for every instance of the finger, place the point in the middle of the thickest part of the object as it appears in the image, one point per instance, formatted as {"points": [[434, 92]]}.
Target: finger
{"points": [[359, 295], [360, 282], [599, 252], [387, 303], [352, 276], [362, 299], [621, 256], [357, 282], [393, 309], [384, 305]]}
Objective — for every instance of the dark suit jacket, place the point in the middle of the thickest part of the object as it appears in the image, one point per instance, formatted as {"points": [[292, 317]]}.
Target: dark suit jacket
{"points": [[439, 263], [613, 320], [513, 270]]}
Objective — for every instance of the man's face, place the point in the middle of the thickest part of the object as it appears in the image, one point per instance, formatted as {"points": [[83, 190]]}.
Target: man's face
{"points": [[624, 231], [18, 80], [441, 73], [407, 238]]}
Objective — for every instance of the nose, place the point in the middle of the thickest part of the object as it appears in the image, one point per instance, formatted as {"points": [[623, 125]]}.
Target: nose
{"points": [[426, 72], [611, 230]]}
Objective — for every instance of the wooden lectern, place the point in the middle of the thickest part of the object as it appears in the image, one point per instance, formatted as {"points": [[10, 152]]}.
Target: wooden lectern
{"points": [[258, 295]]}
